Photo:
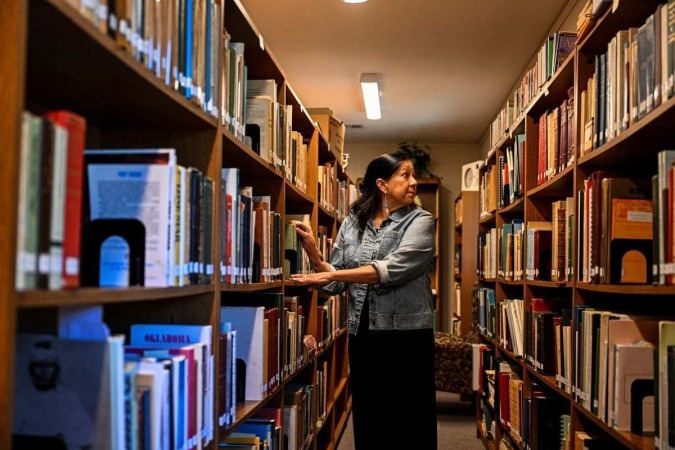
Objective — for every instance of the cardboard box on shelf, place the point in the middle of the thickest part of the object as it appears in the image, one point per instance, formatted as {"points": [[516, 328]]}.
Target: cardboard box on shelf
{"points": [[332, 128]]}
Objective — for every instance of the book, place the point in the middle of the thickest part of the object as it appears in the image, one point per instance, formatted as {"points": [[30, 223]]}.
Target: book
{"points": [[634, 371], [248, 322], [626, 231], [178, 336], [75, 126], [116, 181]]}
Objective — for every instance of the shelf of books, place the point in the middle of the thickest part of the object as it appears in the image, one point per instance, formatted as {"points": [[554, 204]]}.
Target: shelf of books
{"points": [[153, 160], [578, 325]]}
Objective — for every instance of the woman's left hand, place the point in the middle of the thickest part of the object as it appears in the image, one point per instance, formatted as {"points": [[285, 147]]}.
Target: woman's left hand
{"points": [[312, 280]]}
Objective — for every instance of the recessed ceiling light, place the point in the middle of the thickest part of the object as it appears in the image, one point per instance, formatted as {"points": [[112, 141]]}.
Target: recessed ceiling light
{"points": [[354, 1]]}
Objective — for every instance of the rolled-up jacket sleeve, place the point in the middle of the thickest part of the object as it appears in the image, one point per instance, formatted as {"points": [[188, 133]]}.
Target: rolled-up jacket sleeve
{"points": [[413, 255], [336, 263]]}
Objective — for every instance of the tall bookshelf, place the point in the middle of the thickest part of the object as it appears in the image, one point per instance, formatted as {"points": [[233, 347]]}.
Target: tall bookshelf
{"points": [[429, 193], [632, 153], [466, 229], [53, 58]]}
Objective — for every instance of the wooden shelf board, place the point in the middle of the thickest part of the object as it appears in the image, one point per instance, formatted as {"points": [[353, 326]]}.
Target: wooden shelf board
{"points": [[514, 208], [628, 289], [325, 214], [630, 440], [299, 200], [518, 126], [555, 90], [511, 283], [547, 284], [509, 354], [549, 381], [638, 145], [102, 296], [487, 280], [487, 219], [340, 387], [84, 71], [236, 154], [250, 287], [628, 14], [560, 186]]}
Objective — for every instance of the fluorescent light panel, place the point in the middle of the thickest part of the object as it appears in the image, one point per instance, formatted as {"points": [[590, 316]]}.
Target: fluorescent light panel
{"points": [[371, 95], [355, 1]]}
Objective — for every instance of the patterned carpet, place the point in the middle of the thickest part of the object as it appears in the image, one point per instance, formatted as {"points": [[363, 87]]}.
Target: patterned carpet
{"points": [[456, 425]]}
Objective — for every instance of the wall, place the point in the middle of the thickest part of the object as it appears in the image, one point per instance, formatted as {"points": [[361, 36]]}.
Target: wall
{"points": [[446, 162]]}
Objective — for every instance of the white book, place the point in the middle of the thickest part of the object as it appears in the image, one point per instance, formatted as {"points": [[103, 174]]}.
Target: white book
{"points": [[230, 177], [137, 184], [248, 322]]}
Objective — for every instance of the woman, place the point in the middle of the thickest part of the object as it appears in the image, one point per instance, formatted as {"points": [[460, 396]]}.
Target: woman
{"points": [[383, 255]]}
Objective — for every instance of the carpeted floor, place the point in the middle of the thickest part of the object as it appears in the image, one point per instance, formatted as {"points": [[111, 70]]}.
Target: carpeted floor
{"points": [[456, 425]]}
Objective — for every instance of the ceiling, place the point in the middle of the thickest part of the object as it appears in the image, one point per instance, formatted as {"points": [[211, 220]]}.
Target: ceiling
{"points": [[446, 65]]}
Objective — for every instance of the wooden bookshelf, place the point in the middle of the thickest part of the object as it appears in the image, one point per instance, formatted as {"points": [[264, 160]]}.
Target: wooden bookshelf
{"points": [[429, 193], [632, 153], [52, 57], [467, 277]]}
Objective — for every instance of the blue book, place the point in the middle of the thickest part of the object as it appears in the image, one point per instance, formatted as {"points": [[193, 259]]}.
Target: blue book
{"points": [[189, 43], [207, 60], [262, 429]]}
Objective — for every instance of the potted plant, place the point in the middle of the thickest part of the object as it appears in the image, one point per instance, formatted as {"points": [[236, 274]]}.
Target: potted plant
{"points": [[419, 156]]}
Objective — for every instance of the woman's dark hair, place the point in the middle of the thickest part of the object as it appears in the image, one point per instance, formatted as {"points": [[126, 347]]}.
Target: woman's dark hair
{"points": [[384, 166]]}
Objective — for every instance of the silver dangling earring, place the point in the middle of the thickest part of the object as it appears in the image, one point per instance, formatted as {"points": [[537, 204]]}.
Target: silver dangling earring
{"points": [[386, 205]]}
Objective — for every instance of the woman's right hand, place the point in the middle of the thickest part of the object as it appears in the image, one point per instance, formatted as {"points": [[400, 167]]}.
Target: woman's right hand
{"points": [[306, 235]]}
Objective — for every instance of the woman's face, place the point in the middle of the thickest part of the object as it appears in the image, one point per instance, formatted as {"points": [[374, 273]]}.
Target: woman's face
{"points": [[401, 187]]}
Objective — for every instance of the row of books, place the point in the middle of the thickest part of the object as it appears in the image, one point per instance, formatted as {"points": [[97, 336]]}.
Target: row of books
{"points": [[69, 222], [616, 229], [177, 40], [331, 317], [162, 211], [335, 195], [116, 217], [250, 233], [606, 360], [269, 131], [50, 201], [264, 430], [504, 254], [531, 420], [269, 343], [484, 310], [511, 170], [254, 115], [159, 391], [488, 190], [553, 52], [556, 147], [624, 234], [632, 77], [85, 386]]}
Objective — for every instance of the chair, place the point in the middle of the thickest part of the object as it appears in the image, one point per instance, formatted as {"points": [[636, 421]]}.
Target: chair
{"points": [[453, 363]]}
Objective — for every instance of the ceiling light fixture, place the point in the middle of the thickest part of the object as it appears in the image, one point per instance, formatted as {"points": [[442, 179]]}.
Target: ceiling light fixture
{"points": [[354, 1], [370, 86]]}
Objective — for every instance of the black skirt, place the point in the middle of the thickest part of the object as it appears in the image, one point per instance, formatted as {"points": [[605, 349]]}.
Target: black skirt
{"points": [[393, 388]]}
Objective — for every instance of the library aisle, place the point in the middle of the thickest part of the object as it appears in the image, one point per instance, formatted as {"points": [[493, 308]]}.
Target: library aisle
{"points": [[456, 425]]}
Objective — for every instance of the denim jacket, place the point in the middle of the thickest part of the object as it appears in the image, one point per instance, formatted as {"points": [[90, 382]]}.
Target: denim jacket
{"points": [[402, 252]]}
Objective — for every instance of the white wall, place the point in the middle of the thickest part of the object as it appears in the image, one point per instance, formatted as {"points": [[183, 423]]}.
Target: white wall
{"points": [[446, 162]]}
